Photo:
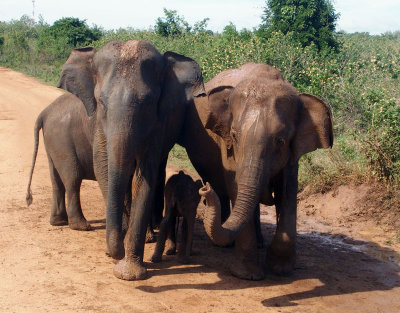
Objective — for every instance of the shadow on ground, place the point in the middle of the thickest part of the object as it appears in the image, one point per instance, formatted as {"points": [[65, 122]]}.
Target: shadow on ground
{"points": [[337, 262]]}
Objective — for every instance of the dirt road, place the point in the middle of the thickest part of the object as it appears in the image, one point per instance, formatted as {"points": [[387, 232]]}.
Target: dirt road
{"points": [[341, 267]]}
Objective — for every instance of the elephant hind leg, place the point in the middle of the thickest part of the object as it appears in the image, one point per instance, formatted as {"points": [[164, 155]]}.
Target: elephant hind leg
{"points": [[171, 239], [76, 220], [165, 227], [187, 238], [58, 216]]}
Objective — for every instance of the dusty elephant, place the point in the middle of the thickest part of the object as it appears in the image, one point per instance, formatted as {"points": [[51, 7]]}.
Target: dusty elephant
{"points": [[245, 138], [137, 99], [181, 198], [68, 134]]}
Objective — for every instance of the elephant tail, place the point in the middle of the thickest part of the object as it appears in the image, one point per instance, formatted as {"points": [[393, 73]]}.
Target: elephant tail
{"points": [[38, 127]]}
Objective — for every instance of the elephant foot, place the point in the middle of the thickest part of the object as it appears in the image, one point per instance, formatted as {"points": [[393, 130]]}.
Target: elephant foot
{"points": [[128, 270], [281, 263], [155, 258], [79, 224], [247, 270], [59, 220]]}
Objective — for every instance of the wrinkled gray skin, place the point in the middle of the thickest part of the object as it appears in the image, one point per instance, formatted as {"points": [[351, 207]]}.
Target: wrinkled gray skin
{"points": [[245, 138], [137, 98], [68, 134], [181, 198]]}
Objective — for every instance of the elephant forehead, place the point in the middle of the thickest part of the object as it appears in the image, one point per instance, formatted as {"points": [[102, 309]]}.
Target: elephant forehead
{"points": [[130, 50]]}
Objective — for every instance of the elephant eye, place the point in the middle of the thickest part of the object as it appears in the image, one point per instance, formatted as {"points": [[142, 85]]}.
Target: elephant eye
{"points": [[279, 141]]}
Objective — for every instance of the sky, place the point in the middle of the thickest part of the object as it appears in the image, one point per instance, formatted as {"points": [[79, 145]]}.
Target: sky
{"points": [[375, 17]]}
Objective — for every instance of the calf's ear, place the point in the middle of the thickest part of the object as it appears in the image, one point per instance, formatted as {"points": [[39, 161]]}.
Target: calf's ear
{"points": [[78, 77], [314, 128]]}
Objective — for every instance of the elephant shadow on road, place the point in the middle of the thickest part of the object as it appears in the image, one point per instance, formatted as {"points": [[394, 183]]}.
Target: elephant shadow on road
{"points": [[326, 266]]}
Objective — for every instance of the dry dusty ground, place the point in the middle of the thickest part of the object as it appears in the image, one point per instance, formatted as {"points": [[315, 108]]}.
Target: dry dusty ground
{"points": [[342, 266]]}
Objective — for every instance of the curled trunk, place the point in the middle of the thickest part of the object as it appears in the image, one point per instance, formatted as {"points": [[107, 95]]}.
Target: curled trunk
{"points": [[246, 201]]}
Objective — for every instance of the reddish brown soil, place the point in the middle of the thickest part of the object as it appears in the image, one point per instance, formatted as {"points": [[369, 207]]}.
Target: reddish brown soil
{"points": [[344, 265]]}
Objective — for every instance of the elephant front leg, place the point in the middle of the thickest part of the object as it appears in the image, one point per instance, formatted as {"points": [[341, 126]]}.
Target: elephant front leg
{"points": [[131, 267], [246, 264], [281, 254]]}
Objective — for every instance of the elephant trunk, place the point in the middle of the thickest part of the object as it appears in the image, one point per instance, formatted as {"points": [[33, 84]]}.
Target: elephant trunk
{"points": [[121, 163], [246, 201]]}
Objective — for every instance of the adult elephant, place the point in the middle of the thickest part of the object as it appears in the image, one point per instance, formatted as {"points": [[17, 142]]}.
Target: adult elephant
{"points": [[245, 138], [138, 99]]}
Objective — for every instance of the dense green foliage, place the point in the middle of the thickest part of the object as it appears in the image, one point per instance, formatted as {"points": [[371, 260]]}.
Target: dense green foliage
{"points": [[310, 21], [58, 40], [360, 82], [39, 49]]}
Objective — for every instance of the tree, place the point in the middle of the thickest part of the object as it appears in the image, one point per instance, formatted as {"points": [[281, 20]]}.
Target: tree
{"points": [[171, 25], [73, 30], [310, 21], [174, 25], [65, 34]]}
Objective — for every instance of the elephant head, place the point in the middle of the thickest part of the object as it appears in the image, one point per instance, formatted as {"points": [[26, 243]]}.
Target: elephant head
{"points": [[130, 89], [266, 125]]}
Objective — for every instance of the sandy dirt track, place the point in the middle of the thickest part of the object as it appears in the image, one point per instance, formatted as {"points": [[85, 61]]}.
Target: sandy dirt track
{"points": [[341, 267]]}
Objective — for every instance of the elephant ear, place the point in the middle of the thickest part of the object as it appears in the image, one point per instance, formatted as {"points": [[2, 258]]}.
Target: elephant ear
{"points": [[78, 77], [220, 116], [314, 129], [182, 78]]}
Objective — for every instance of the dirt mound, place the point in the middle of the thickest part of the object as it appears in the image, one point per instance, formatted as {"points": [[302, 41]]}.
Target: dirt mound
{"points": [[341, 267]]}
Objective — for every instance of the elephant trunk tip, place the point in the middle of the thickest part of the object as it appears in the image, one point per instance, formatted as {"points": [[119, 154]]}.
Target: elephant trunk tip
{"points": [[205, 190]]}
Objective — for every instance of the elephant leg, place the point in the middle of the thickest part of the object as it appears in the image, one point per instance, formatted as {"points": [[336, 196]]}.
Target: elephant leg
{"points": [[281, 254], [165, 227], [131, 266], [246, 264], [171, 238], [76, 220], [157, 211], [150, 234], [127, 207], [58, 215], [187, 238], [257, 223]]}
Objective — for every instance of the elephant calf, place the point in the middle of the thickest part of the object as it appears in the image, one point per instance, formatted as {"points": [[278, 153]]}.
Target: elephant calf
{"points": [[68, 137], [181, 199], [67, 132]]}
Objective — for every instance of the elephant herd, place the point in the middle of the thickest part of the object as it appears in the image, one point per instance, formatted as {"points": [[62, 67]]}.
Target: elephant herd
{"points": [[244, 131]]}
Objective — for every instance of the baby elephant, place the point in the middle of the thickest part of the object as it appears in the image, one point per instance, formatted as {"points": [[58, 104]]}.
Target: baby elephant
{"points": [[181, 198], [68, 135]]}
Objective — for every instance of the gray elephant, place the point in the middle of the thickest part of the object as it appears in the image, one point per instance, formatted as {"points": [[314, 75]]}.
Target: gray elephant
{"points": [[245, 138], [181, 198], [68, 137], [135, 100]]}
